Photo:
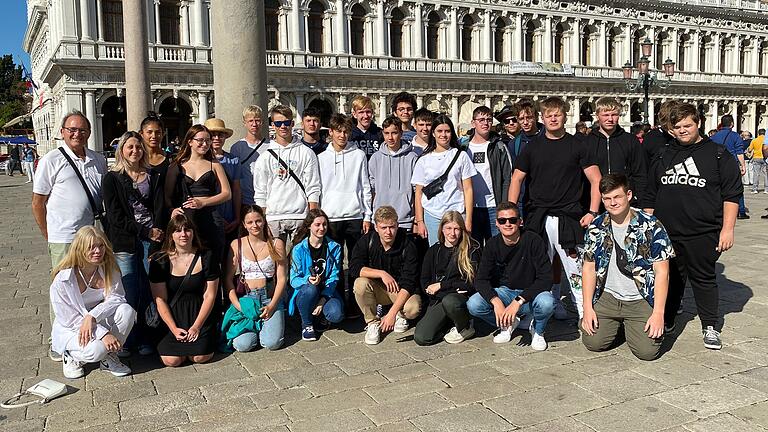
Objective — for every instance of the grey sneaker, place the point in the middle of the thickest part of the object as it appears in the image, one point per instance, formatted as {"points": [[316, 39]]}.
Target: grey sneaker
{"points": [[712, 338], [113, 364], [455, 336], [53, 355]]}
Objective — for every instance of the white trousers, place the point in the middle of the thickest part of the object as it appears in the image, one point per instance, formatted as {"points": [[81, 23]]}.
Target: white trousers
{"points": [[119, 325], [571, 265]]}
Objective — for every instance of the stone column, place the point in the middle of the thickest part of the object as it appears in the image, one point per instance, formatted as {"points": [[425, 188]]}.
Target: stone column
{"points": [[342, 103], [138, 99], [627, 54], [651, 111], [485, 50], [573, 112], [712, 116], [576, 42], [419, 101], [453, 43], [338, 29], [240, 69], [455, 110], [381, 36], [754, 64], [94, 141], [296, 26], [675, 48], [418, 32], [184, 10], [158, 40], [383, 111], [199, 39], [763, 124], [100, 19], [750, 118], [85, 21], [626, 113], [602, 49], [695, 65], [202, 106], [651, 34], [715, 60], [547, 41], [299, 106]]}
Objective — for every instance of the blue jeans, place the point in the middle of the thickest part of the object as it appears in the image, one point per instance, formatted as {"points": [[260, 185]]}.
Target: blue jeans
{"points": [[272, 330], [433, 228], [542, 307], [134, 268], [484, 224], [742, 206], [306, 299]]}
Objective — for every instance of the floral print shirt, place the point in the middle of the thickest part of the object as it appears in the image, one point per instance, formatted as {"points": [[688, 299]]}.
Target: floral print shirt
{"points": [[646, 242]]}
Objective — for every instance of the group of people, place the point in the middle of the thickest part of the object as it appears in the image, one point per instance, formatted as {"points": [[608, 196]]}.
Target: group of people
{"points": [[209, 251], [22, 158]]}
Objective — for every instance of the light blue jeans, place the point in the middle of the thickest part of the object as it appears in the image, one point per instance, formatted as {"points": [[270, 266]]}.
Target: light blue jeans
{"points": [[272, 330], [542, 307], [433, 228]]}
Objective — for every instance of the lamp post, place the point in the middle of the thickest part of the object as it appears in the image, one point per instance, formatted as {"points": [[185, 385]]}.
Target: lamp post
{"points": [[645, 77]]}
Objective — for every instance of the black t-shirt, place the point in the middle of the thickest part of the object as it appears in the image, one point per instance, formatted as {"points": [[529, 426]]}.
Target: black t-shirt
{"points": [[555, 170], [318, 256]]}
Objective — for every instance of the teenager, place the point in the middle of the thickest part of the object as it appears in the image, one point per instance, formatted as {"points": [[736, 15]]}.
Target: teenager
{"points": [[310, 130], [152, 132], [128, 190], [442, 162], [196, 184], [447, 273], [184, 279], [527, 114], [259, 260], [422, 124], [694, 188], [286, 179], [248, 149], [618, 152], [385, 266], [509, 126], [229, 210], [315, 268], [625, 274], [732, 142], [513, 280], [365, 134], [490, 186], [390, 170], [403, 106], [93, 319], [554, 210], [658, 137]]}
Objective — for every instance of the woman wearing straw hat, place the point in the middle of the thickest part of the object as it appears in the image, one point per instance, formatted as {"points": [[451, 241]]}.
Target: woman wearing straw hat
{"points": [[229, 210]]}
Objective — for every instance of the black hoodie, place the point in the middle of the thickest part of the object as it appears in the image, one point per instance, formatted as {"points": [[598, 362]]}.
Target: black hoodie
{"points": [[401, 261], [621, 153], [687, 185]]}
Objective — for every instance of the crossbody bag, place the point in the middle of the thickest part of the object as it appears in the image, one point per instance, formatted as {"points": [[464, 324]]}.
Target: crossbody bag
{"points": [[247, 158], [290, 171], [99, 215], [435, 187], [151, 316]]}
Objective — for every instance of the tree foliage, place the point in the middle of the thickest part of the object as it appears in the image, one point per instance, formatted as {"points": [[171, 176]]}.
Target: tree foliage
{"points": [[12, 88]]}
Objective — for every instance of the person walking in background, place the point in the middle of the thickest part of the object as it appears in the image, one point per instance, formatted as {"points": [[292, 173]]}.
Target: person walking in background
{"points": [[732, 142], [759, 171], [28, 158]]}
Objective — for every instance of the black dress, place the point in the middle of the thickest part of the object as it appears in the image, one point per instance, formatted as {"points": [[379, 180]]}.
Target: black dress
{"points": [[187, 307]]}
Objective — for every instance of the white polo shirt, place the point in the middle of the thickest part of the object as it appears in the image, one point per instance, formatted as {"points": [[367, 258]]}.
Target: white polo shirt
{"points": [[68, 209]]}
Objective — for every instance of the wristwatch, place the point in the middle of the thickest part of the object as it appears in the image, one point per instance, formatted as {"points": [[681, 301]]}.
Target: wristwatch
{"points": [[594, 213], [520, 300]]}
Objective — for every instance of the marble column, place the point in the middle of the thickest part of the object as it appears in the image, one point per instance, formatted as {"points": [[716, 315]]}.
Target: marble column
{"points": [[602, 45], [517, 38], [338, 29], [85, 21], [750, 119], [418, 32], [240, 69], [715, 58], [296, 26], [626, 113], [419, 101], [202, 106], [573, 113], [100, 19], [199, 33], [138, 98], [712, 115], [694, 64], [158, 39], [342, 103], [184, 10], [383, 110], [651, 111], [299, 107], [94, 141], [381, 36], [455, 110], [487, 40], [576, 42], [547, 39], [453, 39]]}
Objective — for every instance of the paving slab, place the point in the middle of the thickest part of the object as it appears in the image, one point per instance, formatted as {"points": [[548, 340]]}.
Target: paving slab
{"points": [[639, 415]]}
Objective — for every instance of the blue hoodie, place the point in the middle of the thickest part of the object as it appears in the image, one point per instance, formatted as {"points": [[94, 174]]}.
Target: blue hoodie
{"points": [[368, 141], [301, 262]]}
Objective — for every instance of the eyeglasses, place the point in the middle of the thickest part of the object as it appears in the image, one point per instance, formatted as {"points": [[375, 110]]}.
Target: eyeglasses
{"points": [[74, 130], [503, 221], [282, 123], [484, 120], [510, 120], [201, 140]]}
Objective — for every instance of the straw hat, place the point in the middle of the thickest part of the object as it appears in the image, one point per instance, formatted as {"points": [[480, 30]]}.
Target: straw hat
{"points": [[217, 125]]}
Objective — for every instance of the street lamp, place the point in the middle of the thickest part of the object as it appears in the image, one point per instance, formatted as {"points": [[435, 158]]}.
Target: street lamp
{"points": [[645, 77]]}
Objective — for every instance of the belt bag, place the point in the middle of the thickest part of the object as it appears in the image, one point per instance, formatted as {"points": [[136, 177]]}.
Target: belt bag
{"points": [[435, 187]]}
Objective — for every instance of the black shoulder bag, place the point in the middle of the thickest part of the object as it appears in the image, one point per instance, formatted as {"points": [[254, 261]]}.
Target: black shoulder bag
{"points": [[99, 215], [436, 186], [151, 316], [242, 162], [290, 172]]}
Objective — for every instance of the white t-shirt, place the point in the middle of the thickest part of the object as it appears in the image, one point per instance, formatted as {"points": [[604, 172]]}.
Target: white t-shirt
{"points": [[68, 209], [482, 184], [431, 166]]}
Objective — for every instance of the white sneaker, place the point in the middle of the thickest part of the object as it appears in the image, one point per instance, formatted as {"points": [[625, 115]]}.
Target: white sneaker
{"points": [[538, 343], [401, 324], [72, 368], [373, 333], [113, 364], [754, 192], [560, 312], [505, 333], [454, 336]]}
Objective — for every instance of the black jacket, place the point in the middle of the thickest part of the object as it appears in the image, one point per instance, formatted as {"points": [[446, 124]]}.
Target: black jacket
{"points": [[688, 185], [500, 163], [441, 265], [123, 230], [655, 140], [524, 266], [621, 153], [401, 261]]}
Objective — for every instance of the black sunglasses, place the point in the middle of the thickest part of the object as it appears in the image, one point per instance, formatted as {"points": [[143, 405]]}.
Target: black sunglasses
{"points": [[503, 221], [510, 120], [281, 123]]}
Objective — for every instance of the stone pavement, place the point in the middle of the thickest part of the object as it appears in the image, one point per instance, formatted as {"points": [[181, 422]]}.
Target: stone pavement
{"points": [[340, 384]]}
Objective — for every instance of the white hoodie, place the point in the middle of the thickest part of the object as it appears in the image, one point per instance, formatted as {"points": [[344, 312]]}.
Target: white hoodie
{"points": [[275, 189], [346, 186]]}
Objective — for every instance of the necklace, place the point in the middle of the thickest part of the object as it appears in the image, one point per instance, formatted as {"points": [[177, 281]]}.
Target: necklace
{"points": [[87, 284]]}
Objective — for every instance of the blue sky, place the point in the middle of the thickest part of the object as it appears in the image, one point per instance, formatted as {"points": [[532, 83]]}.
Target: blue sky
{"points": [[13, 24]]}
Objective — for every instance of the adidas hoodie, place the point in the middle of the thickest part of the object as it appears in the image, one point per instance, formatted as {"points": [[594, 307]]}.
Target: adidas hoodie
{"points": [[687, 185], [345, 183], [274, 187], [390, 174]]}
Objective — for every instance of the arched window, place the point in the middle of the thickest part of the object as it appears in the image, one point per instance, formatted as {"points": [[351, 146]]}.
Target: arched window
{"points": [[170, 20], [396, 33], [433, 34], [615, 48], [113, 21], [271, 13], [660, 41], [703, 54], [680, 66], [498, 40], [528, 42], [466, 38], [315, 26], [357, 30], [558, 53], [721, 50], [586, 46]]}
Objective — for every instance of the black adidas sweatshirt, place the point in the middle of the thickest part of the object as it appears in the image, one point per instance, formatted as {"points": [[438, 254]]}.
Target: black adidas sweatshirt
{"points": [[687, 185]]}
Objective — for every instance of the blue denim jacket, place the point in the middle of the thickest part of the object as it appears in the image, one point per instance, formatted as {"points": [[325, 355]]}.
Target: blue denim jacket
{"points": [[646, 243]]}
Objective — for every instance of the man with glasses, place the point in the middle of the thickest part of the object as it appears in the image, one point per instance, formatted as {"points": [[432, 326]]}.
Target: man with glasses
{"points": [[248, 149], [490, 185], [60, 205], [513, 280], [403, 107], [286, 179]]}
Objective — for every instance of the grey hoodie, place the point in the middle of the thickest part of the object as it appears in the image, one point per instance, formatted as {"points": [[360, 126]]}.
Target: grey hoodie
{"points": [[390, 175]]}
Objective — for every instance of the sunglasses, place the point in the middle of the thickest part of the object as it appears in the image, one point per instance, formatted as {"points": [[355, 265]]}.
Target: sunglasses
{"points": [[503, 221], [281, 123], [510, 120]]}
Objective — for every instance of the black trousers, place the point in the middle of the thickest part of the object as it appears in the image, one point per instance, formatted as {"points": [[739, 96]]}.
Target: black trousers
{"points": [[694, 261], [346, 233], [450, 311]]}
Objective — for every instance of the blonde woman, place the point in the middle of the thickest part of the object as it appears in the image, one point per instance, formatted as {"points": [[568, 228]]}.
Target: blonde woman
{"points": [[447, 274], [92, 317]]}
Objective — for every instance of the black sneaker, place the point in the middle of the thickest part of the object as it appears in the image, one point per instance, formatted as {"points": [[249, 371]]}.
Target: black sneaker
{"points": [[669, 328], [742, 216], [712, 338]]}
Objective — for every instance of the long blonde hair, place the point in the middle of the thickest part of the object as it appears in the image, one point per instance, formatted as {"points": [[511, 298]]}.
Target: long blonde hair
{"points": [[465, 247], [120, 163], [77, 256]]}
